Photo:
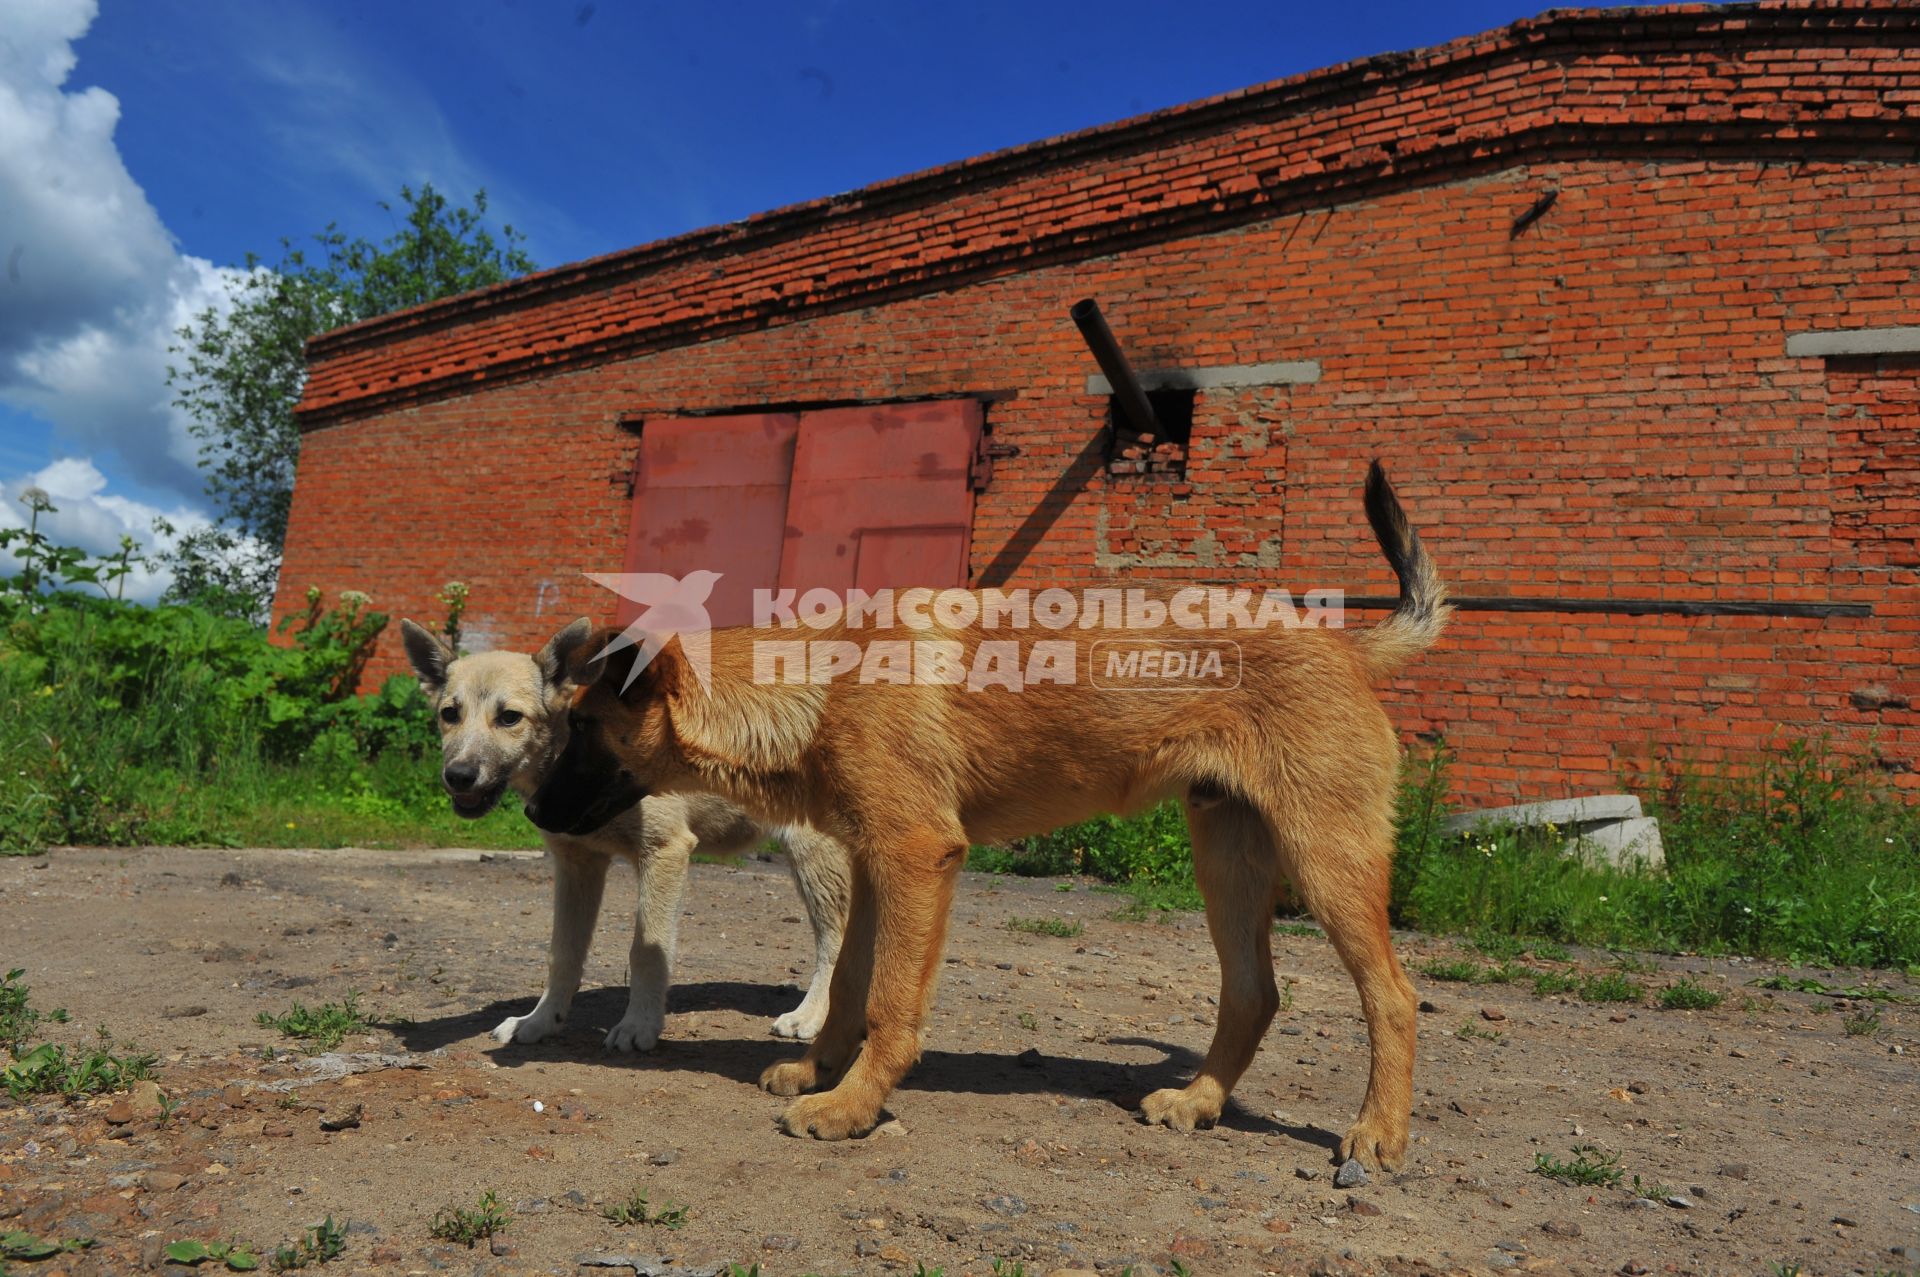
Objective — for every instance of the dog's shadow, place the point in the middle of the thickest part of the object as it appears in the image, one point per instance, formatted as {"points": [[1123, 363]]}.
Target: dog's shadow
{"points": [[1122, 1085]]}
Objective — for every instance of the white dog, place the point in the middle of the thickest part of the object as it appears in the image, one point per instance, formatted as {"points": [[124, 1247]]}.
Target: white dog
{"points": [[503, 722]]}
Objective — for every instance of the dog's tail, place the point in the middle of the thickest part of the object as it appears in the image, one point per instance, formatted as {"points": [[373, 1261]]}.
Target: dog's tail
{"points": [[1422, 612]]}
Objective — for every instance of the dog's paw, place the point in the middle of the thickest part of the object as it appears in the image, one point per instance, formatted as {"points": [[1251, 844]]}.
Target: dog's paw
{"points": [[790, 1077], [533, 1027], [828, 1117], [634, 1035], [1180, 1109], [802, 1022], [1378, 1144]]}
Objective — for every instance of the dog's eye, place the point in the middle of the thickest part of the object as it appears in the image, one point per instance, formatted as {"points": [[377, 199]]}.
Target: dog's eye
{"points": [[450, 713], [508, 717]]}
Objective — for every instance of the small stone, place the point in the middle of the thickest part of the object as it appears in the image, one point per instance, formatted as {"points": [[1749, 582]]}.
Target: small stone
{"points": [[1846, 1221], [1511, 1247], [1634, 1268], [1307, 1172], [1678, 1202], [1644, 1203], [1560, 1228], [1735, 1170], [1618, 1017], [501, 1247], [1637, 1088], [1361, 1206], [145, 1099], [1005, 1204], [1279, 1226], [892, 1128], [665, 1158], [343, 1119], [1190, 1247], [385, 1254], [163, 1181], [779, 1241], [119, 1113], [1350, 1175], [895, 1255], [1464, 1110], [1029, 1059], [1427, 1006], [1492, 1013], [1737, 1053]]}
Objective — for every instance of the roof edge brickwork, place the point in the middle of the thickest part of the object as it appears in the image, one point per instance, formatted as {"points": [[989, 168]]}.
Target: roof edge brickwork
{"points": [[1831, 80]]}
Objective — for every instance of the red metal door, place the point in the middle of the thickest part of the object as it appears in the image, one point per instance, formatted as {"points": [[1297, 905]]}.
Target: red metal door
{"points": [[711, 493], [881, 496]]}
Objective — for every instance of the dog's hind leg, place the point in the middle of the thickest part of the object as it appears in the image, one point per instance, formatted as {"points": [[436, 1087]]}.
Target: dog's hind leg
{"points": [[1343, 875], [913, 880], [661, 870], [820, 873], [1238, 870], [579, 881]]}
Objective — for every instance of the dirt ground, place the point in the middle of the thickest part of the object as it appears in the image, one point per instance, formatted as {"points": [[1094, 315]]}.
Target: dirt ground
{"points": [[1776, 1138]]}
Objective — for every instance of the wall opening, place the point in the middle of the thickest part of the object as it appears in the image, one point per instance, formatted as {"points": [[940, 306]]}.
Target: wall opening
{"points": [[1129, 452]]}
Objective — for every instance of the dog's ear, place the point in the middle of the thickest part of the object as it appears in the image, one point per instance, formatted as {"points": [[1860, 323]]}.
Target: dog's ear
{"points": [[591, 662], [553, 659], [429, 655]]}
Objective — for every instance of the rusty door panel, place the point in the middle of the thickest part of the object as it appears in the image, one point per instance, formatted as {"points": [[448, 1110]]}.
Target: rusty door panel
{"points": [[881, 496], [711, 493]]}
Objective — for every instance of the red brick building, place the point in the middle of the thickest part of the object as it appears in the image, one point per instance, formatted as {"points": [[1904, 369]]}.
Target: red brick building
{"points": [[1629, 301]]}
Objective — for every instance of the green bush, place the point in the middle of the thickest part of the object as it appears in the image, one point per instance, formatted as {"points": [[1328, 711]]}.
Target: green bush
{"points": [[125, 724]]}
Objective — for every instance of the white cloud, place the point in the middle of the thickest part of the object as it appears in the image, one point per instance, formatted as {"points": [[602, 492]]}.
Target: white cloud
{"points": [[92, 286], [87, 515]]}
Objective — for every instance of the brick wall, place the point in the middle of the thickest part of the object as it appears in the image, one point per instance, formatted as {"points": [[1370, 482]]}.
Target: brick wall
{"points": [[1598, 407]]}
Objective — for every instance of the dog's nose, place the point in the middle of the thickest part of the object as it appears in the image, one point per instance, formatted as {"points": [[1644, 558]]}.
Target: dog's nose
{"points": [[531, 810], [460, 777]]}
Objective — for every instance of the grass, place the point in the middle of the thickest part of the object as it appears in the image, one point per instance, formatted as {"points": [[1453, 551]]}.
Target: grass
{"points": [[1685, 994], [636, 1210], [1804, 855], [1612, 986], [323, 1027], [1470, 1032], [1589, 1167], [1862, 1024], [468, 1226], [1059, 927]]}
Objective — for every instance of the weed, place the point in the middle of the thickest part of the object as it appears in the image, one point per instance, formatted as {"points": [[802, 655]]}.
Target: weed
{"points": [[1651, 1188], [1009, 1268], [1063, 887], [1028, 1021], [1548, 983], [48, 1069], [1634, 965], [15, 1244], [234, 1255], [1297, 929], [1589, 1167], [324, 1241], [323, 1027], [1469, 1031], [1685, 994], [1457, 970], [459, 1224], [1862, 1025], [1611, 986], [19, 1020], [1179, 1269], [1060, 927], [743, 1270], [921, 1270], [1286, 994], [635, 1210]]}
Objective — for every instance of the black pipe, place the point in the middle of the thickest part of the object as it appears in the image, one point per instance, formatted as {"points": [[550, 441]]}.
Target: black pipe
{"points": [[1127, 392]]}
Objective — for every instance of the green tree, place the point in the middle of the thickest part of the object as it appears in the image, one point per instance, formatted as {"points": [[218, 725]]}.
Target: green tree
{"points": [[241, 370]]}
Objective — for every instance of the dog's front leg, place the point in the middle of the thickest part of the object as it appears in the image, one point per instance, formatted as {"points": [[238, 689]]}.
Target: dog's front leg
{"points": [[579, 881], [656, 935], [912, 884], [846, 1023], [820, 872]]}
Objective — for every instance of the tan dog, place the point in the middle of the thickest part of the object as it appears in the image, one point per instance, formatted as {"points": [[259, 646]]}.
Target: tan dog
{"points": [[1287, 775], [502, 719]]}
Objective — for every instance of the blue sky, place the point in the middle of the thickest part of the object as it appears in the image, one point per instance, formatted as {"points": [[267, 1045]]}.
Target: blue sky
{"points": [[151, 143]]}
